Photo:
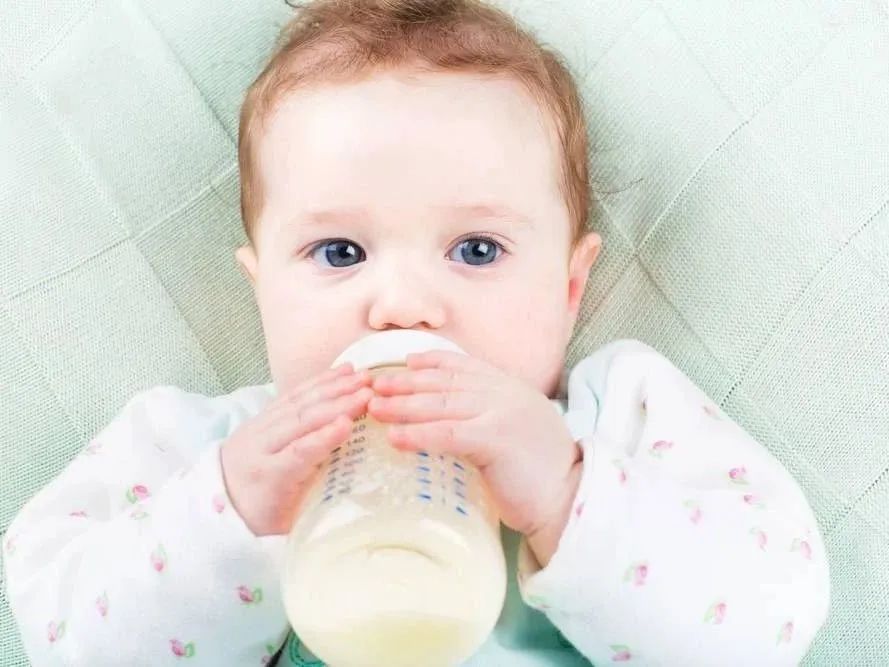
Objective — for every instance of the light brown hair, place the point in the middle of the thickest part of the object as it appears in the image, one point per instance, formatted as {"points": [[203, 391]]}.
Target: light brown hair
{"points": [[339, 40]]}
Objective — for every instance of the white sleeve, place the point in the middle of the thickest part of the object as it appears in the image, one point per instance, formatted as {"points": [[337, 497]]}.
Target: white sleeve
{"points": [[688, 542], [134, 555]]}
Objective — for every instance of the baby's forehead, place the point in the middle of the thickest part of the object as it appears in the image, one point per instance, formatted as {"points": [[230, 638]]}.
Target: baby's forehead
{"points": [[406, 100], [400, 146]]}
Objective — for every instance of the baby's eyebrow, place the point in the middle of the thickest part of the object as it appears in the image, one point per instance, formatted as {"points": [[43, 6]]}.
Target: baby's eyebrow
{"points": [[488, 212], [345, 215], [332, 216]]}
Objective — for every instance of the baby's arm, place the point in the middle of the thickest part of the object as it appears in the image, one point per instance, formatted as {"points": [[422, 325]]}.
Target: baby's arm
{"points": [[688, 543], [133, 555]]}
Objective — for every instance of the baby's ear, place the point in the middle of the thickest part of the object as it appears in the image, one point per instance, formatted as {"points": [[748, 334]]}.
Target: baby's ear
{"points": [[246, 257], [582, 259]]}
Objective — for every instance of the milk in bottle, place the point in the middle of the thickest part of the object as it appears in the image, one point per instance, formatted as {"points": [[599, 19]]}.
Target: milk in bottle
{"points": [[395, 559]]}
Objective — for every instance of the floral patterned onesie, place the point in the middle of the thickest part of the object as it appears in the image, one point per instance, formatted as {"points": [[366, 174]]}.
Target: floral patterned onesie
{"points": [[688, 542]]}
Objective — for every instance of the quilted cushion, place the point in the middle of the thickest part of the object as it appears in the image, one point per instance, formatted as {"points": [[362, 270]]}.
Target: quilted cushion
{"points": [[740, 155]]}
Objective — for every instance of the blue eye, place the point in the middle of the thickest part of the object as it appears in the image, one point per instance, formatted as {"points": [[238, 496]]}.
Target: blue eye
{"points": [[478, 250], [342, 253], [338, 252]]}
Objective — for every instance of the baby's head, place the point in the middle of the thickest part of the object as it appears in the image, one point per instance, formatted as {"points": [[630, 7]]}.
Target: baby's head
{"points": [[415, 164]]}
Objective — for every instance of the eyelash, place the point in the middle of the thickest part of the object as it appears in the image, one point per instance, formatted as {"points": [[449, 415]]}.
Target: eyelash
{"points": [[469, 237]]}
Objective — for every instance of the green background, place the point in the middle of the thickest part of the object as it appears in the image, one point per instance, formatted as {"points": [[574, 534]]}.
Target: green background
{"points": [[740, 153]]}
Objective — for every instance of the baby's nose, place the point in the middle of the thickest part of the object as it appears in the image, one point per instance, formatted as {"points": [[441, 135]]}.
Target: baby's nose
{"points": [[406, 303]]}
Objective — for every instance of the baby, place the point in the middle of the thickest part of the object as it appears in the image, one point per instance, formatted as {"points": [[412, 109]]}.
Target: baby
{"points": [[422, 164]]}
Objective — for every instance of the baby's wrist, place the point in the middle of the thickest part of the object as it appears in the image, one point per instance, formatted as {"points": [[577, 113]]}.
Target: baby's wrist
{"points": [[544, 540]]}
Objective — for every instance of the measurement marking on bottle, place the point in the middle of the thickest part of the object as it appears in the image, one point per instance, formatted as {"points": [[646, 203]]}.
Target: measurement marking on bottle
{"points": [[462, 511], [458, 466], [459, 481], [425, 496], [423, 454], [423, 480], [423, 468]]}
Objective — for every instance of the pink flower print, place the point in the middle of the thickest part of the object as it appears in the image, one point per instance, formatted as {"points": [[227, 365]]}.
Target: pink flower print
{"points": [[661, 446], [712, 411], [80, 514], [716, 613], [218, 502], [785, 633], [137, 493], [623, 473], [694, 511], [250, 597], [181, 650], [270, 653], [754, 501], [102, 604], [55, 632], [761, 538], [738, 475], [621, 653], [637, 572], [803, 547], [579, 509], [159, 558], [92, 448]]}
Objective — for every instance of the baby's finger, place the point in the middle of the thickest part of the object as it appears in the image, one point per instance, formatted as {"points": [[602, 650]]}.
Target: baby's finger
{"points": [[425, 380], [448, 359], [464, 439], [305, 454], [426, 407], [336, 387], [301, 420], [333, 387], [295, 393]]}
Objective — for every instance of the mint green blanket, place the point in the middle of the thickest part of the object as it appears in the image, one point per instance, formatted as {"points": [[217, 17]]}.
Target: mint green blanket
{"points": [[741, 155]]}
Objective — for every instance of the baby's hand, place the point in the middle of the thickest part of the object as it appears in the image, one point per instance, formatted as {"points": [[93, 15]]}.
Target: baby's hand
{"points": [[270, 461], [457, 404]]}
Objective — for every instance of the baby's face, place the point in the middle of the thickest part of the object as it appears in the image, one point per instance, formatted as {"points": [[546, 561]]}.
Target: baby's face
{"points": [[414, 201]]}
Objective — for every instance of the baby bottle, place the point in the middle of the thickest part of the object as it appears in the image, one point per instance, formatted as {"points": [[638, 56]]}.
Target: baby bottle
{"points": [[395, 558]]}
